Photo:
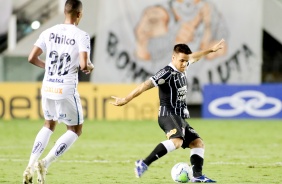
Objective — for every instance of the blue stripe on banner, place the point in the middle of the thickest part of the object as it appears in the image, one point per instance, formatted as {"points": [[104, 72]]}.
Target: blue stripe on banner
{"points": [[242, 101]]}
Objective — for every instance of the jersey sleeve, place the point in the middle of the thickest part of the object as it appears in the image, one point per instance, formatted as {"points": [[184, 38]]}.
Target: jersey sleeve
{"points": [[40, 42], [161, 76], [84, 43]]}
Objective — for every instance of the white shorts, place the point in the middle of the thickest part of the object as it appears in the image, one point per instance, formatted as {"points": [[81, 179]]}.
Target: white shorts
{"points": [[68, 110]]}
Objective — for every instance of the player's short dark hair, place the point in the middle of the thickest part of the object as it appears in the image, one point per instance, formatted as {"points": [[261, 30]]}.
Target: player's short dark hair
{"points": [[182, 48], [73, 6]]}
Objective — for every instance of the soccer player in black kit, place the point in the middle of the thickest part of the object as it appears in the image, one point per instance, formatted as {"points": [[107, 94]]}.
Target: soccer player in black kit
{"points": [[173, 111]]}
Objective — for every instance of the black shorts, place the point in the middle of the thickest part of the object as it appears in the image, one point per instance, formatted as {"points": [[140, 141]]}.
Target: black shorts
{"points": [[176, 127]]}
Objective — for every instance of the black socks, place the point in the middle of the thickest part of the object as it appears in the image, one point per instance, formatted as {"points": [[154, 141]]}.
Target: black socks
{"points": [[157, 153], [197, 164]]}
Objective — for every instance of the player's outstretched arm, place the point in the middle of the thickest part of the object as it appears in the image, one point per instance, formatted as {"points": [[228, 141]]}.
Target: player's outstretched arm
{"points": [[196, 56], [148, 84], [34, 59]]}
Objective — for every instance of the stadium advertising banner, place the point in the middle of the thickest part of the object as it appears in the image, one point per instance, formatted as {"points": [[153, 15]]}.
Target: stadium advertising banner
{"points": [[23, 101], [249, 101], [135, 39]]}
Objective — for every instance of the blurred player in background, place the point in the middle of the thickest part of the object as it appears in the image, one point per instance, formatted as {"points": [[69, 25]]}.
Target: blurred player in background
{"points": [[67, 48], [173, 111]]}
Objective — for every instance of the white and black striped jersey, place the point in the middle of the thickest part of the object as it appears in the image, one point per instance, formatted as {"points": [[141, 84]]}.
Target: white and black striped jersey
{"points": [[172, 91]]}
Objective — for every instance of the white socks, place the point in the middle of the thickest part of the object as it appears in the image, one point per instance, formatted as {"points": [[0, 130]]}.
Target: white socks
{"points": [[39, 145], [61, 146], [41, 141], [197, 151], [168, 144]]}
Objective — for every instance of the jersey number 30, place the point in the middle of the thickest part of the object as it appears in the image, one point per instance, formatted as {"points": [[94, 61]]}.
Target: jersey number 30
{"points": [[59, 65]]}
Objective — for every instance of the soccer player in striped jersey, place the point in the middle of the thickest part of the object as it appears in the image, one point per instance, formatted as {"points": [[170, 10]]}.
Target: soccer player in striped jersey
{"points": [[172, 83], [67, 49]]}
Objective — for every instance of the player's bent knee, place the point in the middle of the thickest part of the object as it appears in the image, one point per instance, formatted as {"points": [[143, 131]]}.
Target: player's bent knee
{"points": [[197, 143], [177, 142]]}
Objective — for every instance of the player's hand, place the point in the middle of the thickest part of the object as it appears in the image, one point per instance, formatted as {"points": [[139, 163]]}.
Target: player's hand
{"points": [[118, 101], [89, 69], [218, 46]]}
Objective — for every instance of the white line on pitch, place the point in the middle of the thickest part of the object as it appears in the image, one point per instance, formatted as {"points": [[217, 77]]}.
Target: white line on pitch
{"points": [[129, 161]]}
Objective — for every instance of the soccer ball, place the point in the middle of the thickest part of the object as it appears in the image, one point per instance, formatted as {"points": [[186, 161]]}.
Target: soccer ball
{"points": [[181, 172]]}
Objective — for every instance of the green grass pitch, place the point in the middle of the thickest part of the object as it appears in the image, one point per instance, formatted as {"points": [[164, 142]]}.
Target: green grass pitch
{"points": [[237, 151]]}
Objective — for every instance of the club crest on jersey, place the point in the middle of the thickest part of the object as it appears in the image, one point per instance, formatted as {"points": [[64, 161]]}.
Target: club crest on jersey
{"points": [[61, 39]]}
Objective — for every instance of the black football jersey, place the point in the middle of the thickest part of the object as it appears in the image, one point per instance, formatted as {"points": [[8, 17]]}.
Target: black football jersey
{"points": [[172, 91]]}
